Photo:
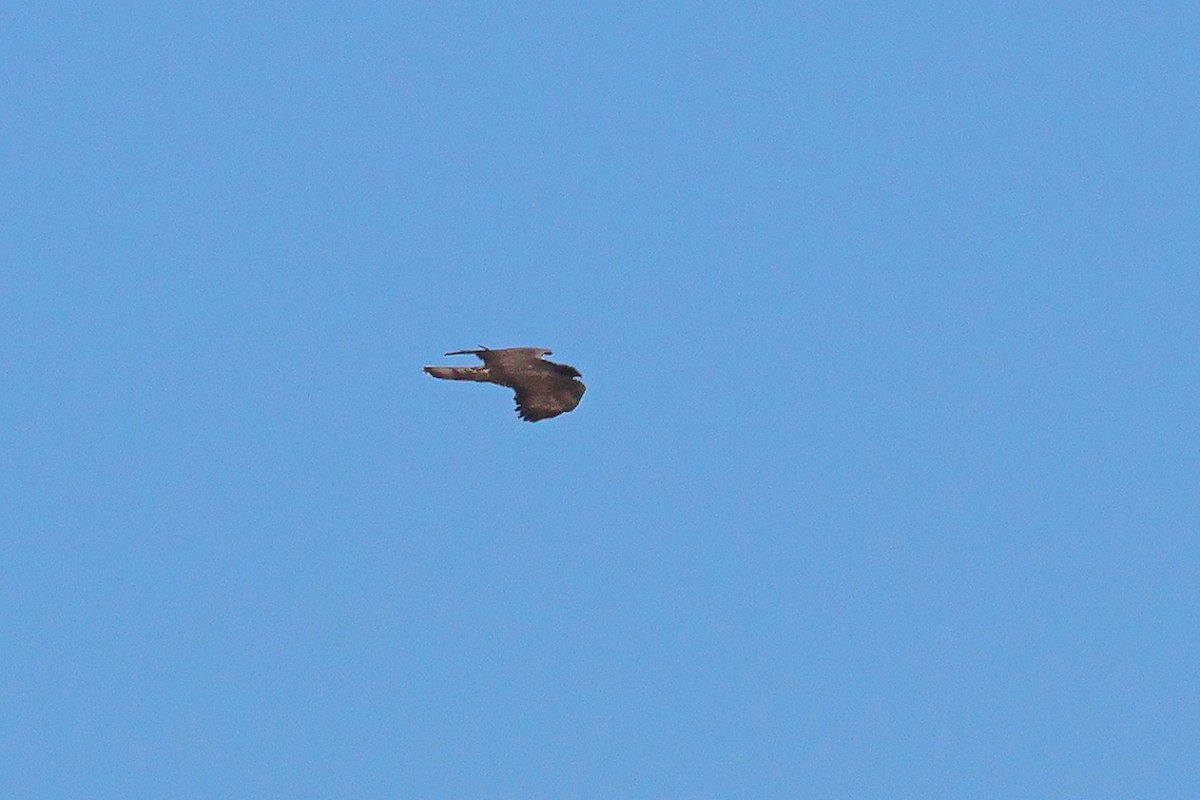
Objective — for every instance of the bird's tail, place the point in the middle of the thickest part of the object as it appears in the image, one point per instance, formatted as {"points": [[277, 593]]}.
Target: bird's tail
{"points": [[460, 373]]}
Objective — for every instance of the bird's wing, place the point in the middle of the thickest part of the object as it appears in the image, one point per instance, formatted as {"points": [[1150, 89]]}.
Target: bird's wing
{"points": [[545, 396], [513, 359]]}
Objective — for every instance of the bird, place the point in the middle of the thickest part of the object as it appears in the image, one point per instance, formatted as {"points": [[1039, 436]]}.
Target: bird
{"points": [[543, 388]]}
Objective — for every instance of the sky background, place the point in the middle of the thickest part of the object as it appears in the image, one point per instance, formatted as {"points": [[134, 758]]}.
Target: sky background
{"points": [[885, 484]]}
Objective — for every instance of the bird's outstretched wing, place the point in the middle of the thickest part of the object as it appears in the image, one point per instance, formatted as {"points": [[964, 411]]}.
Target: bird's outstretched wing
{"points": [[545, 396]]}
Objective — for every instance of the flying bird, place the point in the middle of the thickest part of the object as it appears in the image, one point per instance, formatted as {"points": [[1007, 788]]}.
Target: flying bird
{"points": [[543, 388]]}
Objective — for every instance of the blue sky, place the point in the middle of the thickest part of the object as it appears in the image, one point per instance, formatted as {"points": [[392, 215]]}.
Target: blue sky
{"points": [[884, 484]]}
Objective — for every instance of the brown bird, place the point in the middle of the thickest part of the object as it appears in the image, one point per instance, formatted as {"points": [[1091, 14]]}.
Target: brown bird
{"points": [[543, 389]]}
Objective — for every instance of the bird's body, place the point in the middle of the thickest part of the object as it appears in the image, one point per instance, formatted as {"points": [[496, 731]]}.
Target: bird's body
{"points": [[543, 388]]}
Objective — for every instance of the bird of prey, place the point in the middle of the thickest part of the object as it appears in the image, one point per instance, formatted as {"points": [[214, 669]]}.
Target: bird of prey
{"points": [[543, 389]]}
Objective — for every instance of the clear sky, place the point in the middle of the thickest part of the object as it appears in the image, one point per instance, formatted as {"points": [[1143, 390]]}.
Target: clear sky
{"points": [[885, 483]]}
